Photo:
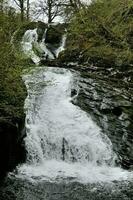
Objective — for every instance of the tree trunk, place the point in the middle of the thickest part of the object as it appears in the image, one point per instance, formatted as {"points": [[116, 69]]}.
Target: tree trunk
{"points": [[22, 10], [28, 8], [49, 11]]}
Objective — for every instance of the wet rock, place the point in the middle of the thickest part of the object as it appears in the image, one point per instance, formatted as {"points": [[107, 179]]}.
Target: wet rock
{"points": [[73, 92], [112, 109]]}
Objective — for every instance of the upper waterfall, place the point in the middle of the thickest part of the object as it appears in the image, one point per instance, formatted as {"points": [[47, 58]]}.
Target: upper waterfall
{"points": [[38, 50]]}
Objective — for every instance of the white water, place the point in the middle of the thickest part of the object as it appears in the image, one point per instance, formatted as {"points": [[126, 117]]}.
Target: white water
{"points": [[62, 141], [62, 46]]}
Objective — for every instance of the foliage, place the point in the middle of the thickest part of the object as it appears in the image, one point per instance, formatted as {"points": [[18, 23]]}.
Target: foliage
{"points": [[104, 30], [12, 90]]}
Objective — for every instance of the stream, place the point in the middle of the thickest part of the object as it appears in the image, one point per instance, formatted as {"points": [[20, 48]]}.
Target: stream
{"points": [[68, 155]]}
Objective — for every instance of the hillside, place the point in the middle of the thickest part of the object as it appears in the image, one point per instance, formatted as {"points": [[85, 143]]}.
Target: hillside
{"points": [[102, 34]]}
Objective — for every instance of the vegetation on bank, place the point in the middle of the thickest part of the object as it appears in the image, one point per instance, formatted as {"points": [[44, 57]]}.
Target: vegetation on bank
{"points": [[102, 34], [12, 89]]}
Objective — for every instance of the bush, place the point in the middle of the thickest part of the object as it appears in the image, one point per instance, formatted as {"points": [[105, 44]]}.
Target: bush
{"points": [[12, 89], [104, 30]]}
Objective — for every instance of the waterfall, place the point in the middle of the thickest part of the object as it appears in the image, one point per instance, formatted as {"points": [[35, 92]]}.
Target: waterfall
{"points": [[63, 142], [31, 46]]}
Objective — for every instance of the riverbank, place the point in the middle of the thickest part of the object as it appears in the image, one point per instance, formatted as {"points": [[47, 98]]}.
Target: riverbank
{"points": [[12, 97]]}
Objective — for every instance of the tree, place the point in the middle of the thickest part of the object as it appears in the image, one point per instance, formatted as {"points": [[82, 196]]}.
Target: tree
{"points": [[23, 5], [49, 9], [20, 4]]}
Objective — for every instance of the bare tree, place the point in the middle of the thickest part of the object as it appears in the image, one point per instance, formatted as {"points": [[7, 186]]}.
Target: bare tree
{"points": [[49, 9]]}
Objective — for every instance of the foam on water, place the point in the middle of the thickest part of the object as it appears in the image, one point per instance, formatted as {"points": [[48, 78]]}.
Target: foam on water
{"points": [[63, 142], [53, 170]]}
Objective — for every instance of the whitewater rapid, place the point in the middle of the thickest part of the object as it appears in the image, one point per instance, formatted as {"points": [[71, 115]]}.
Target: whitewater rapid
{"points": [[63, 142]]}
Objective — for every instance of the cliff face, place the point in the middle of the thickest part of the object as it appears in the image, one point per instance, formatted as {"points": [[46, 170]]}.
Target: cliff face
{"points": [[112, 109]]}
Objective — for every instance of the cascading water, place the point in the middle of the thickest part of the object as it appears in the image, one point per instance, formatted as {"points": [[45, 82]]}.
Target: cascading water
{"points": [[30, 42], [48, 54], [62, 140]]}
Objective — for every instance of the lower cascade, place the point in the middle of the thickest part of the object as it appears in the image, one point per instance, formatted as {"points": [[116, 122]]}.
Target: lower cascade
{"points": [[63, 142]]}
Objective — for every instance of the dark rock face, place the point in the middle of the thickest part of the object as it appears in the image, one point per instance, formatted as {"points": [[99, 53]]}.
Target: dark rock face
{"points": [[40, 30], [12, 150], [112, 109], [53, 35]]}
